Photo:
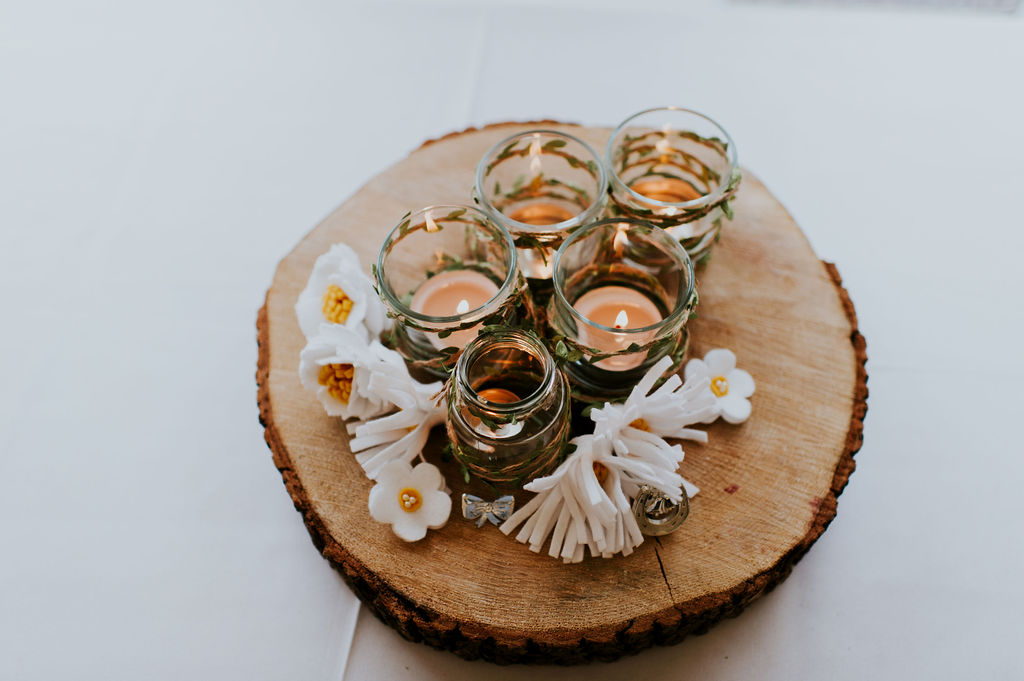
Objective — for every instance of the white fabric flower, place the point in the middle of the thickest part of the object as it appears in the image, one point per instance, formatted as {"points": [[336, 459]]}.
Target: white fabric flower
{"points": [[728, 385], [585, 503], [340, 367], [338, 292], [409, 499], [581, 505], [402, 435], [637, 427]]}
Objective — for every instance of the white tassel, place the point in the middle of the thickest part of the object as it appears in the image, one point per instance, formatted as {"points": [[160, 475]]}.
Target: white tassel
{"points": [[399, 436], [573, 512]]}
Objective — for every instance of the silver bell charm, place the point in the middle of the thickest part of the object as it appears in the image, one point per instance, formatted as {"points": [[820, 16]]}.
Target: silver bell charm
{"points": [[658, 515]]}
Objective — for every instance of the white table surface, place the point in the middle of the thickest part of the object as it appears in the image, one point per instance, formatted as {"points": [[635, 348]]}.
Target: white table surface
{"points": [[157, 161]]}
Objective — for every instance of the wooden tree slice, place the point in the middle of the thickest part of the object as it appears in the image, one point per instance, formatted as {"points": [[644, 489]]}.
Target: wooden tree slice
{"points": [[768, 487]]}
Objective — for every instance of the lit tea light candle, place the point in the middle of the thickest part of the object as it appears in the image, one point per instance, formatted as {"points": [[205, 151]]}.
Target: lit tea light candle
{"points": [[537, 262], [622, 308], [542, 214], [667, 189], [449, 294], [496, 396]]}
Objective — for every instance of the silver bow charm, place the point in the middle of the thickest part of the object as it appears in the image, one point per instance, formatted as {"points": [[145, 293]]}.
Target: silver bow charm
{"points": [[497, 511]]}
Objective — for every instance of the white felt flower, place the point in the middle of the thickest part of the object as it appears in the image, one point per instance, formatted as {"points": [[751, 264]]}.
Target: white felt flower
{"points": [[728, 385], [409, 499], [341, 367], [581, 505], [399, 436], [585, 503], [338, 292], [637, 427]]}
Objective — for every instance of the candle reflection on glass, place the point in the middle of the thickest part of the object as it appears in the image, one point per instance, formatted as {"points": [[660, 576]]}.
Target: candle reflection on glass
{"points": [[617, 307], [452, 293]]}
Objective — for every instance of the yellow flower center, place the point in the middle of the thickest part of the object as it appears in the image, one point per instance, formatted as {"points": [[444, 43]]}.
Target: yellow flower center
{"points": [[410, 499], [601, 471], [337, 305], [720, 386], [640, 424], [338, 379]]}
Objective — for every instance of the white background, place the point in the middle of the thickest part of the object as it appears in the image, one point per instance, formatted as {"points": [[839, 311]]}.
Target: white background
{"points": [[157, 161]]}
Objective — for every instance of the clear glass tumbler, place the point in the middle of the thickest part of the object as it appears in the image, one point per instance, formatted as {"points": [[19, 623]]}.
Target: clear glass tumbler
{"points": [[445, 272], [676, 168], [540, 185], [623, 292]]}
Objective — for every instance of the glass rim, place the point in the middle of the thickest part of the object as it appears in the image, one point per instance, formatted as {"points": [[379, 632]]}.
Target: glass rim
{"points": [[473, 349], [673, 246], [391, 300], [583, 216], [699, 202]]}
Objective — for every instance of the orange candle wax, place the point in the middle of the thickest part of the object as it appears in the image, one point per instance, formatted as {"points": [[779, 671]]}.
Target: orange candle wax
{"points": [[452, 293]]}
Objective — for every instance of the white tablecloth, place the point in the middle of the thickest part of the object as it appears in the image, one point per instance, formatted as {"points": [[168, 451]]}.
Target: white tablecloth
{"points": [[156, 162]]}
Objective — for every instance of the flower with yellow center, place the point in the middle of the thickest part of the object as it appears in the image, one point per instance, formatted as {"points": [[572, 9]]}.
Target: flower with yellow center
{"points": [[339, 366], [730, 387], [339, 292], [337, 305], [640, 424], [637, 428], [337, 378], [411, 500], [401, 434]]}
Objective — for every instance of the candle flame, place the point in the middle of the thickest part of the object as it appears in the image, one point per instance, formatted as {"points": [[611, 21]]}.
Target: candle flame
{"points": [[535, 145], [620, 239], [462, 307], [662, 146], [535, 152], [431, 225], [621, 320]]}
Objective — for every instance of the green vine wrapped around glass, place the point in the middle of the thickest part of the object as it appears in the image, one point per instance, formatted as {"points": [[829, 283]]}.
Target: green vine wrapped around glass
{"points": [[508, 409], [444, 273], [540, 185], [677, 169], [623, 292]]}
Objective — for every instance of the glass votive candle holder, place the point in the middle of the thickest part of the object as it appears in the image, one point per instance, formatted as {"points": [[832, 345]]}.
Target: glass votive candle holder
{"points": [[540, 185], [443, 273], [677, 169], [623, 292], [508, 408]]}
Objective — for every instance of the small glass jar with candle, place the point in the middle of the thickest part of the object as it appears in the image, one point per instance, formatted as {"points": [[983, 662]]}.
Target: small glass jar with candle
{"points": [[677, 169], [443, 273], [540, 185], [623, 292], [508, 408]]}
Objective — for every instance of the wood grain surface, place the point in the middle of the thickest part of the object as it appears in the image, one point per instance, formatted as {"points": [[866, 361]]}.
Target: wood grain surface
{"points": [[768, 487]]}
